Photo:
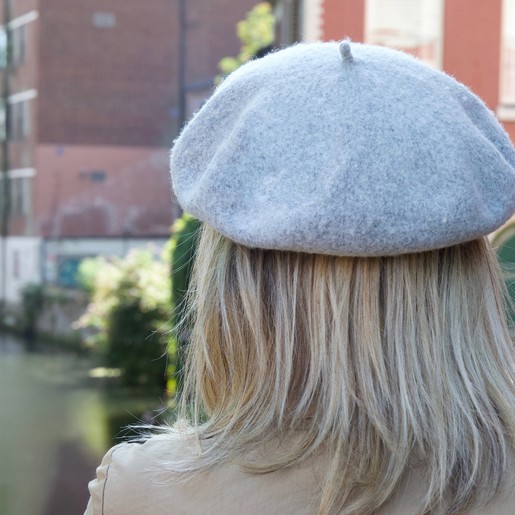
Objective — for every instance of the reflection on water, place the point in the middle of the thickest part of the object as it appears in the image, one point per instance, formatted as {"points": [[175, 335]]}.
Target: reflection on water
{"points": [[55, 424]]}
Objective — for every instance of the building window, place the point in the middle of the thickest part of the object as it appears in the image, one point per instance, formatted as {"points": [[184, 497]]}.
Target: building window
{"points": [[104, 20], [2, 196], [414, 26], [508, 54], [19, 45], [20, 120], [20, 195], [3, 129], [3, 48], [93, 175]]}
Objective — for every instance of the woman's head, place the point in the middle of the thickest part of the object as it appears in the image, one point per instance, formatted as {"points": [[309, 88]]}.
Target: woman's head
{"points": [[389, 361], [306, 159]]}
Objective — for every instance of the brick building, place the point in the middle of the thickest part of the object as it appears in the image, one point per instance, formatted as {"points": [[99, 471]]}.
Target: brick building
{"points": [[472, 40], [95, 104]]}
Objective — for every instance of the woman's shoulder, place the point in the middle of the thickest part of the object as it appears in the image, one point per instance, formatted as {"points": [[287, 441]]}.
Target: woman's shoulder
{"points": [[142, 478], [133, 476]]}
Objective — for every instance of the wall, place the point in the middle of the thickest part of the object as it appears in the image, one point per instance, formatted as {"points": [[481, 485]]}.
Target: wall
{"points": [[22, 259], [23, 91], [103, 191], [118, 84], [472, 37], [60, 257], [343, 18], [103, 84]]}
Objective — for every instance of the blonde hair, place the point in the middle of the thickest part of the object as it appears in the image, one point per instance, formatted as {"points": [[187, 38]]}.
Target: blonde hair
{"points": [[387, 362]]}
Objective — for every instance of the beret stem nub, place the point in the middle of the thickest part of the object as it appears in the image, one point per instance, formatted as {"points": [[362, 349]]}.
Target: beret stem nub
{"points": [[345, 51]]}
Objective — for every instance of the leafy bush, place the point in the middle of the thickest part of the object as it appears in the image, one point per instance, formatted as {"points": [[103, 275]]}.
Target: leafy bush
{"points": [[255, 32], [32, 304], [129, 312]]}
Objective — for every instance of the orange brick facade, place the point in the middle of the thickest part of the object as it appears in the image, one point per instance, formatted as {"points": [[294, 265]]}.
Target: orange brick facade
{"points": [[94, 103], [103, 76]]}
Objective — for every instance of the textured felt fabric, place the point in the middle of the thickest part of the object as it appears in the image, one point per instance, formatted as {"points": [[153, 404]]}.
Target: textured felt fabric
{"points": [[345, 149]]}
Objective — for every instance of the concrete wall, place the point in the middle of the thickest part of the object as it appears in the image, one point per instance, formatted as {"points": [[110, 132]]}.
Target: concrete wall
{"points": [[60, 257], [22, 264]]}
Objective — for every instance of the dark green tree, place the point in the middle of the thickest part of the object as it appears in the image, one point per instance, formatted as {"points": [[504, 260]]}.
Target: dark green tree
{"points": [[129, 313], [183, 245]]}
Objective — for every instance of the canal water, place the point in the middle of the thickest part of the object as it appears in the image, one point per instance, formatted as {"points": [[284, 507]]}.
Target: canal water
{"points": [[56, 423]]}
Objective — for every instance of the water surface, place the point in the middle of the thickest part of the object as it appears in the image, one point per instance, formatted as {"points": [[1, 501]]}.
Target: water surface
{"points": [[55, 425]]}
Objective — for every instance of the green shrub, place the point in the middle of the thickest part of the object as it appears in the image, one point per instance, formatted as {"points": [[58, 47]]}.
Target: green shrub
{"points": [[32, 305], [129, 312]]}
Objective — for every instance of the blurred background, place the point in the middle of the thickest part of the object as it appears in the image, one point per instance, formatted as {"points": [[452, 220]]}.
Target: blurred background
{"points": [[95, 254]]}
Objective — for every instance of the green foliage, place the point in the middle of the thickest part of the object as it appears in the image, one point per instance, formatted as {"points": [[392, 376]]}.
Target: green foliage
{"points": [[255, 32], [182, 247], [32, 303], [88, 270], [503, 241], [32, 297], [129, 311]]}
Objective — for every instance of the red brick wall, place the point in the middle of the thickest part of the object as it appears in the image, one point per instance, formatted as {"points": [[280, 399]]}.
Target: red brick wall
{"points": [[510, 129], [133, 196], [343, 18], [105, 98], [119, 86], [24, 77], [472, 51], [472, 45], [111, 86]]}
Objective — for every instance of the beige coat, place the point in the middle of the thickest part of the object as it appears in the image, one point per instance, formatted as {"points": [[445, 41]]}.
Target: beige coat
{"points": [[130, 481]]}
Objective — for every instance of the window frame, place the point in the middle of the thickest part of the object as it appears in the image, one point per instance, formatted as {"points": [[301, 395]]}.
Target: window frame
{"points": [[507, 102], [437, 62]]}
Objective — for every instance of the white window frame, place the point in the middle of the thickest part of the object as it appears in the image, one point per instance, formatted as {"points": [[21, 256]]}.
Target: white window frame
{"points": [[311, 30], [404, 45], [506, 108], [19, 45], [23, 19], [16, 23], [19, 99], [17, 173], [21, 191]]}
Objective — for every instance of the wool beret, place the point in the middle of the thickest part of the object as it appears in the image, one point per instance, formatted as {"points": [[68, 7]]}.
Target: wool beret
{"points": [[345, 149]]}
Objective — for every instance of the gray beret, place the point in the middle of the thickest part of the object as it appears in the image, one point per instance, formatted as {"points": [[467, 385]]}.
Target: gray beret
{"points": [[345, 149]]}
